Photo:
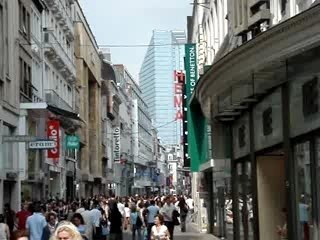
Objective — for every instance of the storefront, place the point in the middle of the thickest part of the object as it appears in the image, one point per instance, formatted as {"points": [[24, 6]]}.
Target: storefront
{"points": [[267, 93]]}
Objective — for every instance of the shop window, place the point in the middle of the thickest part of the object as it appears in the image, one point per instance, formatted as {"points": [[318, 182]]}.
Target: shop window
{"points": [[303, 191], [310, 96], [245, 208], [242, 136], [267, 121]]}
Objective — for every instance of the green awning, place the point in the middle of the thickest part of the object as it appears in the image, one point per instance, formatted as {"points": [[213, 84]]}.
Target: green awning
{"points": [[197, 135]]}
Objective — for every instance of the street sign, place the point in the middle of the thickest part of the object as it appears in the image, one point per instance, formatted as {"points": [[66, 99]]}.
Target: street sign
{"points": [[72, 142], [42, 144], [19, 138]]}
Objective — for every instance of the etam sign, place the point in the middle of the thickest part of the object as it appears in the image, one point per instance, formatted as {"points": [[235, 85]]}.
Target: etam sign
{"points": [[179, 79], [53, 129]]}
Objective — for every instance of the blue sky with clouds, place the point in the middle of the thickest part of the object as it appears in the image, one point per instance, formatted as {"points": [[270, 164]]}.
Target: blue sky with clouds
{"points": [[127, 22]]}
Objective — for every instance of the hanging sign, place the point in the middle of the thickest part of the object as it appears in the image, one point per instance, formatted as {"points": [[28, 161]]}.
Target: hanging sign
{"points": [[116, 144], [53, 134], [72, 142]]}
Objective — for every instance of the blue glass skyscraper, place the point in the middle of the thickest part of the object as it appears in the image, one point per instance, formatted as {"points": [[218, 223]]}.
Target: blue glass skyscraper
{"points": [[164, 55]]}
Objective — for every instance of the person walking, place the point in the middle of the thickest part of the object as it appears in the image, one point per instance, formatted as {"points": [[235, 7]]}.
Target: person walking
{"points": [[66, 231], [78, 221], [152, 211], [183, 213], [159, 231], [136, 223], [167, 211], [9, 216], [96, 218], [4, 229], [50, 227], [36, 223], [22, 216], [115, 218]]}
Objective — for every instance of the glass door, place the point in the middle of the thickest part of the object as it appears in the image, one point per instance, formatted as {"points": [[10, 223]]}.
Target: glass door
{"points": [[304, 190]]}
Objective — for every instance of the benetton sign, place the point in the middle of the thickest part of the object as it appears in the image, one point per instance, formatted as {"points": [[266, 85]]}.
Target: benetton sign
{"points": [[191, 68], [190, 83]]}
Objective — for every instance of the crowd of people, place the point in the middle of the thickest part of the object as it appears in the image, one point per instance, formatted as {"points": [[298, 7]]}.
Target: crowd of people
{"points": [[97, 218]]}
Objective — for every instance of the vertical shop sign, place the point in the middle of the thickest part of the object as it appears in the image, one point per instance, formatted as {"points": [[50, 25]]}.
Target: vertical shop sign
{"points": [[53, 134], [191, 70], [179, 79], [116, 147]]}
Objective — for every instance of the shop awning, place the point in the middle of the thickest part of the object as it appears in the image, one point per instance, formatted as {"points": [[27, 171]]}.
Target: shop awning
{"points": [[197, 135], [56, 110], [64, 113]]}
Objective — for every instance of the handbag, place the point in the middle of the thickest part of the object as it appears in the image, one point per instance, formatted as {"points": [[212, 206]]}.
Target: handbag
{"points": [[175, 220], [105, 229]]}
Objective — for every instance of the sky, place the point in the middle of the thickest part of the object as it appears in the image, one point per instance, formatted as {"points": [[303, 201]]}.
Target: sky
{"points": [[130, 22]]}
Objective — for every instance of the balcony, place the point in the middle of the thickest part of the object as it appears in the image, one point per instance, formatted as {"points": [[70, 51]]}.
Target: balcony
{"points": [[256, 3], [55, 100], [57, 55], [259, 17], [62, 16]]}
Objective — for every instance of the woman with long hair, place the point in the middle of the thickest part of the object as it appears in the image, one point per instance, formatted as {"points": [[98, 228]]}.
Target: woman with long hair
{"points": [[183, 213], [66, 231], [115, 218]]}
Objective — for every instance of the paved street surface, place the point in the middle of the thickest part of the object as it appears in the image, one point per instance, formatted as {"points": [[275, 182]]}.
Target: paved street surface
{"points": [[178, 235]]}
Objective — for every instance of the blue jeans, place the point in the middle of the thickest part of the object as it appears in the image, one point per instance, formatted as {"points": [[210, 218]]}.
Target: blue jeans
{"points": [[134, 230]]}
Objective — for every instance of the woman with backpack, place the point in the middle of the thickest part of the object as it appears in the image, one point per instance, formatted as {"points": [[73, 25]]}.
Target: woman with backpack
{"points": [[136, 223]]}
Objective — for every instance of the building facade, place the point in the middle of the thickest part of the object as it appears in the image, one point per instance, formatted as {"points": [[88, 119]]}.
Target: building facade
{"points": [[260, 98], [143, 159], [89, 102], [164, 56], [13, 47]]}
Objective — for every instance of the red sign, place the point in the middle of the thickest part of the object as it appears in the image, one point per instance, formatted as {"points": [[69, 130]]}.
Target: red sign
{"points": [[53, 133], [179, 79]]}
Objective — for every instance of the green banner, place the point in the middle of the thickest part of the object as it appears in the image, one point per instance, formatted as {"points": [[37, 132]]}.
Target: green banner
{"points": [[191, 80], [191, 68], [72, 142]]}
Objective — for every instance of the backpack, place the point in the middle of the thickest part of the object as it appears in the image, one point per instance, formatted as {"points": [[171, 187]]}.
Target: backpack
{"points": [[138, 222]]}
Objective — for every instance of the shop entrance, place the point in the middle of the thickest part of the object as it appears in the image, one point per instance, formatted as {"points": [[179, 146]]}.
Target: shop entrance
{"points": [[271, 194]]}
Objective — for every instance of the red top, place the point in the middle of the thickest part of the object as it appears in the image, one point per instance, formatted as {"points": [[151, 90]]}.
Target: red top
{"points": [[22, 218]]}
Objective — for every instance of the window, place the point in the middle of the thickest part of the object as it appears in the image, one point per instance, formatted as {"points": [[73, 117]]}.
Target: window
{"points": [[283, 6], [1, 90], [1, 40], [8, 148], [21, 73]]}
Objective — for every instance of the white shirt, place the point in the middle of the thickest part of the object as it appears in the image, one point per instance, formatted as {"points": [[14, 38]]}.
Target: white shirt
{"points": [[167, 211], [161, 233], [96, 217], [127, 211], [87, 218], [121, 208], [80, 210], [189, 202]]}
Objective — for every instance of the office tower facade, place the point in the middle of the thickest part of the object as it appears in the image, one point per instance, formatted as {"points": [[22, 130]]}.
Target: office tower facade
{"points": [[164, 55]]}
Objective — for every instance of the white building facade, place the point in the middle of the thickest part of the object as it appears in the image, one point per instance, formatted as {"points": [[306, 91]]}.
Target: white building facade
{"points": [[252, 53]]}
